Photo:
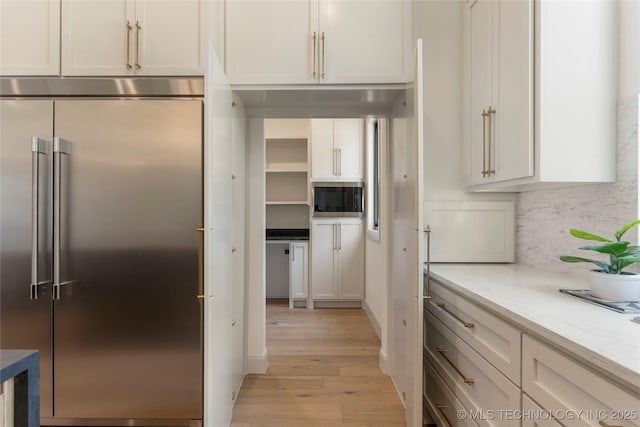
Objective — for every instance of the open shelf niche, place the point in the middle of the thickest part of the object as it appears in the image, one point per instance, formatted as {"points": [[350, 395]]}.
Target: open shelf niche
{"points": [[287, 191]]}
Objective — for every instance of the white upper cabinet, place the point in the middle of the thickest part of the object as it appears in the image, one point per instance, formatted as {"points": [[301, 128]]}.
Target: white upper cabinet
{"points": [[361, 41], [29, 37], [536, 72], [337, 149], [500, 54], [128, 37], [270, 42], [316, 41], [170, 37]]}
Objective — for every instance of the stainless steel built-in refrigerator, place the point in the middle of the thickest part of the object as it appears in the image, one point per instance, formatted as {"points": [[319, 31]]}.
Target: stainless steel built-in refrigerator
{"points": [[100, 204]]}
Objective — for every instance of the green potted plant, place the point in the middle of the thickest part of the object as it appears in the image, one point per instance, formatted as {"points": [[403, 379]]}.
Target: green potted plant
{"points": [[609, 281]]}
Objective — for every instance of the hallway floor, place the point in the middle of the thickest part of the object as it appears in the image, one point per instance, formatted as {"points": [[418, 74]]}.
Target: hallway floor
{"points": [[323, 371]]}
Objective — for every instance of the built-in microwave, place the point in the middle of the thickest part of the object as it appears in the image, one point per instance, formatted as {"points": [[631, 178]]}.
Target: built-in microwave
{"points": [[338, 199]]}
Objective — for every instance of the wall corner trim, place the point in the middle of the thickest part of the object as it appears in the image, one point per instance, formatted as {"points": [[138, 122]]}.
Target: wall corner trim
{"points": [[258, 364]]}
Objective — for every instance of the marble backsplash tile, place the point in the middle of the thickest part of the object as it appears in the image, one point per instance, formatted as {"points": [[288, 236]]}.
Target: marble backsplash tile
{"points": [[545, 217]]}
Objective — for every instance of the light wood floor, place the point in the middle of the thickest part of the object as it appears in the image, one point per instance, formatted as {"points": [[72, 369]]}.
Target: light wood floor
{"points": [[323, 371]]}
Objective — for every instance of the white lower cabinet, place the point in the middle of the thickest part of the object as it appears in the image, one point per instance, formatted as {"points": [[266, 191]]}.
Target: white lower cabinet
{"points": [[534, 416], [479, 363], [493, 338], [477, 384], [562, 385], [442, 402], [298, 271], [337, 259]]}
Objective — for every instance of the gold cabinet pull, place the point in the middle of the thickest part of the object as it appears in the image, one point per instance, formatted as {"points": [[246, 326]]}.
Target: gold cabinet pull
{"points": [[441, 408], [490, 113], [200, 229], [468, 381], [127, 61], [427, 231], [323, 55], [605, 424], [138, 28], [484, 143], [200, 296], [465, 324], [314, 54]]}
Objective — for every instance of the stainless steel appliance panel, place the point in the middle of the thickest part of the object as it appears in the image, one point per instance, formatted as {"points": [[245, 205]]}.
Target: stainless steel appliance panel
{"points": [[25, 320], [127, 325]]}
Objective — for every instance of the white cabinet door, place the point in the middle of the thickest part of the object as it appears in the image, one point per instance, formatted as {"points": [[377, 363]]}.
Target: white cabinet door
{"points": [[351, 259], [363, 41], [271, 42], [480, 49], [95, 36], [128, 37], [324, 283], [29, 38], [323, 152], [512, 144], [349, 141], [499, 36], [170, 37], [298, 273]]}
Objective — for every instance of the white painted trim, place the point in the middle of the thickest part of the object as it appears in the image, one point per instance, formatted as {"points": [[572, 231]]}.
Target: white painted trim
{"points": [[384, 362], [373, 234], [336, 304], [373, 319], [398, 393], [258, 364]]}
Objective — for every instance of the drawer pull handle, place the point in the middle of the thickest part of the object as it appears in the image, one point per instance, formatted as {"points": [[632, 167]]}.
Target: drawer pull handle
{"points": [[605, 424], [441, 409], [466, 324], [468, 381]]}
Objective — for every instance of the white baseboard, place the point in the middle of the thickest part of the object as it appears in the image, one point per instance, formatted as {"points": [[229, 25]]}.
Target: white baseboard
{"points": [[373, 319], [384, 362], [258, 364], [337, 304]]}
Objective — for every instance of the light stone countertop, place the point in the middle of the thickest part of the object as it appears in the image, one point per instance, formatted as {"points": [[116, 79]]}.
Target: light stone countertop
{"points": [[529, 298]]}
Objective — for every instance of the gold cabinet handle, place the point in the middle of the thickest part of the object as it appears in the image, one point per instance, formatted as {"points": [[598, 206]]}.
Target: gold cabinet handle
{"points": [[605, 424], [428, 290], [468, 381], [323, 55], [441, 408], [127, 61], [138, 28], [465, 324], [314, 54], [490, 113], [200, 229], [200, 296], [484, 143]]}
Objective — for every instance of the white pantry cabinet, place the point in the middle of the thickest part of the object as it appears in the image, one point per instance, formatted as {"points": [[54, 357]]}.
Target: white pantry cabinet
{"points": [[337, 259], [298, 271], [132, 37], [316, 41], [337, 149], [536, 72], [29, 38]]}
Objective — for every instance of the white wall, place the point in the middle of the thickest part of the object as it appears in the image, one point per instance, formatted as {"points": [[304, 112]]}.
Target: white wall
{"points": [[256, 315], [545, 217], [376, 257]]}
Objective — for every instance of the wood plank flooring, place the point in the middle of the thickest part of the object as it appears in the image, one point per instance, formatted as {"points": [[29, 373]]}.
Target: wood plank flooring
{"points": [[323, 371]]}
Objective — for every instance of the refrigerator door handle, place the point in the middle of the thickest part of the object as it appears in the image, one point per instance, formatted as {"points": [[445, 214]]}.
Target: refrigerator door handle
{"points": [[38, 147], [60, 147]]}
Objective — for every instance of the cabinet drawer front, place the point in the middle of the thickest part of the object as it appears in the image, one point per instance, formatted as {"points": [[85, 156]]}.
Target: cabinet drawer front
{"points": [[441, 401], [494, 339], [535, 414], [559, 383], [474, 381]]}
